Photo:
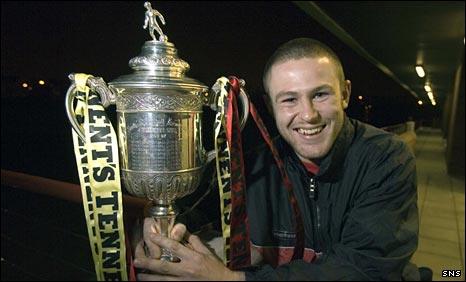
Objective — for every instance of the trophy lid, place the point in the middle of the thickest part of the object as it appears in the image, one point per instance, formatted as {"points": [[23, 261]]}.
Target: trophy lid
{"points": [[158, 64]]}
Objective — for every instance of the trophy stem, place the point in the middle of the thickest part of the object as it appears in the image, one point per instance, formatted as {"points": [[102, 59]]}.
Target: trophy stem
{"points": [[164, 216]]}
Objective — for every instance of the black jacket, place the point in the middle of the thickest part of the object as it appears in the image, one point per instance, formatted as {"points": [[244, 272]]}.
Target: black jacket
{"points": [[360, 224]]}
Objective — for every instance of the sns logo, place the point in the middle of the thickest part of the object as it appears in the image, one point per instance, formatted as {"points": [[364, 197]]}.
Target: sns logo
{"points": [[451, 273]]}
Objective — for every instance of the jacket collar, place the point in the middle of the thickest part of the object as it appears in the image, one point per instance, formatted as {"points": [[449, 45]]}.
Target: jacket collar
{"points": [[330, 168]]}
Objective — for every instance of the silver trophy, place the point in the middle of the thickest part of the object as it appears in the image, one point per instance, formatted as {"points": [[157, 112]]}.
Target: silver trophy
{"points": [[159, 115]]}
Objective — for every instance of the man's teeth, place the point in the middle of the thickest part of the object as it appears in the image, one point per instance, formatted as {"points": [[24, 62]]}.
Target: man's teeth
{"points": [[310, 131]]}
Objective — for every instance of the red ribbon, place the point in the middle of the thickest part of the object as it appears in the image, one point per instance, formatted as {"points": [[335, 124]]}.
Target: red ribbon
{"points": [[240, 249], [299, 244], [240, 244]]}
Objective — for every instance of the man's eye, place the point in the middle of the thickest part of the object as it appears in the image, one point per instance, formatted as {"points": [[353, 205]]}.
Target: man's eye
{"points": [[320, 95], [289, 100]]}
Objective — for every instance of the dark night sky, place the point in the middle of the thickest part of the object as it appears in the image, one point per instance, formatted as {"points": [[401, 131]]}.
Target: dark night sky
{"points": [[52, 39]]}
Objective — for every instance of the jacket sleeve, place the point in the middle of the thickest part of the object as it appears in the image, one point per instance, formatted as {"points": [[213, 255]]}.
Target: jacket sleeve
{"points": [[380, 230]]}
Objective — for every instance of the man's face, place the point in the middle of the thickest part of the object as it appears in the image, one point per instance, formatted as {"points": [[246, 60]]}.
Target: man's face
{"points": [[308, 104]]}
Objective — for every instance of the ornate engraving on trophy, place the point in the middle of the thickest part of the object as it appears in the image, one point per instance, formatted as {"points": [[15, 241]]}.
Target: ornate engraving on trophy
{"points": [[165, 187], [166, 61], [141, 102]]}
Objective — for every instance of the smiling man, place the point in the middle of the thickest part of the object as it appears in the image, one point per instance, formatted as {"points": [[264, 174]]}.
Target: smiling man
{"points": [[354, 187], [308, 96]]}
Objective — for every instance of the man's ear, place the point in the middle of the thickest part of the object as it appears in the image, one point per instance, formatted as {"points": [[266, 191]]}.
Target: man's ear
{"points": [[346, 93]]}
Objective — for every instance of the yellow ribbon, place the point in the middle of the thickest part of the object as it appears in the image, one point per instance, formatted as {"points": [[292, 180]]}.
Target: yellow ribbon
{"points": [[98, 168], [223, 166]]}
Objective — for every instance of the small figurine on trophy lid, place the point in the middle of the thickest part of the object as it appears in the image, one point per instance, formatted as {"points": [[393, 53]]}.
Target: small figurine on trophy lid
{"points": [[151, 21]]}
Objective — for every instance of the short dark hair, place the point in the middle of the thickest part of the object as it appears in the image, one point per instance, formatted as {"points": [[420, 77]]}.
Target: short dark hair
{"points": [[301, 48]]}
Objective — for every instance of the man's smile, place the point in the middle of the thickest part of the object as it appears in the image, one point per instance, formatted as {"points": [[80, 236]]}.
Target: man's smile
{"points": [[310, 131]]}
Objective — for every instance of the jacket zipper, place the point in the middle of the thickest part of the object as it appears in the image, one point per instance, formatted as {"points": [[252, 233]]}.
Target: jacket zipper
{"points": [[315, 211], [312, 188]]}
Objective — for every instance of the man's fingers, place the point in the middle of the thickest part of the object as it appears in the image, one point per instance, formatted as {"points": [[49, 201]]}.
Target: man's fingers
{"points": [[159, 266], [197, 244], [152, 250], [177, 248], [139, 250], [149, 226], [178, 232], [181, 234]]}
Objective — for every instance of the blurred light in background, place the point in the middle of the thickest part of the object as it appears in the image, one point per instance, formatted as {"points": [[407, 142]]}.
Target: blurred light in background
{"points": [[420, 71]]}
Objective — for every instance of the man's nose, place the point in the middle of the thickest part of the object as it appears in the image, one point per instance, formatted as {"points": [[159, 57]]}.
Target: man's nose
{"points": [[308, 112]]}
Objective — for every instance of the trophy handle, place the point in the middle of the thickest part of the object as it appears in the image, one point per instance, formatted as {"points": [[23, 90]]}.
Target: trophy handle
{"points": [[243, 97], [97, 85]]}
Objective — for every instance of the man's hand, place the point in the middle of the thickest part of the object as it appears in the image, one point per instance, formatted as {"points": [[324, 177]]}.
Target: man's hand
{"points": [[197, 262], [146, 248]]}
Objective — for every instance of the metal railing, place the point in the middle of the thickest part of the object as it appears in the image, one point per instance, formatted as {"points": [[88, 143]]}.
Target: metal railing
{"points": [[133, 206]]}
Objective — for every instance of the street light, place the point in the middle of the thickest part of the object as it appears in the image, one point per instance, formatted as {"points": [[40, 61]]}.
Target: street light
{"points": [[420, 71]]}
